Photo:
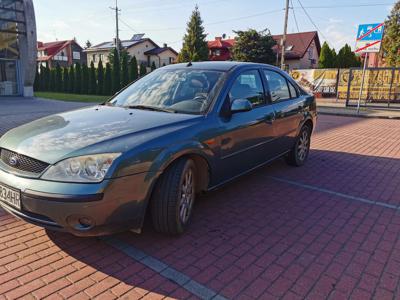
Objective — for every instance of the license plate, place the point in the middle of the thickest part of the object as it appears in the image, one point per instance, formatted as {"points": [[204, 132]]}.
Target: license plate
{"points": [[10, 196]]}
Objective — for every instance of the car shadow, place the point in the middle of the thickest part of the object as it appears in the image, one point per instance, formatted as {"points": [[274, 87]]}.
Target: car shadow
{"points": [[254, 215]]}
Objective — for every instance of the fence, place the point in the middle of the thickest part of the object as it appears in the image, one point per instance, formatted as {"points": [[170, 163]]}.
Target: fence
{"points": [[381, 85]]}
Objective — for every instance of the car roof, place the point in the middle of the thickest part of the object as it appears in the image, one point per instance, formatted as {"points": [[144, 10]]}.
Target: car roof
{"points": [[217, 65]]}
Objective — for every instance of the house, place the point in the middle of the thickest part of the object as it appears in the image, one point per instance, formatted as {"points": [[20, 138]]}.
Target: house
{"points": [[302, 49], [144, 49], [64, 53], [219, 49]]}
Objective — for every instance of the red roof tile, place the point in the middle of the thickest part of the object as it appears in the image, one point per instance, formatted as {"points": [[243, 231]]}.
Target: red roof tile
{"points": [[300, 42]]}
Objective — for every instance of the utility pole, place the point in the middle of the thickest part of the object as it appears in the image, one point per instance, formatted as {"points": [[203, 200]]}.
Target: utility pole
{"points": [[283, 41], [116, 25]]}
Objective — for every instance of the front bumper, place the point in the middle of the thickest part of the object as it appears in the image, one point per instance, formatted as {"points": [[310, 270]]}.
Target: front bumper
{"points": [[79, 208]]}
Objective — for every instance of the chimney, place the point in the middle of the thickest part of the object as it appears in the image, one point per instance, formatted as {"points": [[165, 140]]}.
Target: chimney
{"points": [[40, 44], [165, 45]]}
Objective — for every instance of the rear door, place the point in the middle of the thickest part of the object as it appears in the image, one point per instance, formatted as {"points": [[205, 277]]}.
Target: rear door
{"points": [[288, 106]]}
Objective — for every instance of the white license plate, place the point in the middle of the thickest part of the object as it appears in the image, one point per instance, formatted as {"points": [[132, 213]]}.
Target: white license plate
{"points": [[10, 196]]}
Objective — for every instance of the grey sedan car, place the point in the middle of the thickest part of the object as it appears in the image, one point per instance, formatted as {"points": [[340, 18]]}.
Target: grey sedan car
{"points": [[179, 131]]}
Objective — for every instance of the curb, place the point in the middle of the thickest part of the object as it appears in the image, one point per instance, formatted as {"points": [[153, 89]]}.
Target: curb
{"points": [[355, 115]]}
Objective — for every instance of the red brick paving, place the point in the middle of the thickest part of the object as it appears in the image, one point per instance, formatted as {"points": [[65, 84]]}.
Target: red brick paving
{"points": [[255, 238]]}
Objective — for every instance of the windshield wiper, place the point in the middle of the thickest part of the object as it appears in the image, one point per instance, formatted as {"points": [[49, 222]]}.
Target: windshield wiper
{"points": [[152, 108]]}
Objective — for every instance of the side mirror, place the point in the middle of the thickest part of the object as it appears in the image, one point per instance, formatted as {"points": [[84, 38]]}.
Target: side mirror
{"points": [[241, 105]]}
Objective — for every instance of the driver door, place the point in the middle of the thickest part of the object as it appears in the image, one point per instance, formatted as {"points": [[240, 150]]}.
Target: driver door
{"points": [[246, 134]]}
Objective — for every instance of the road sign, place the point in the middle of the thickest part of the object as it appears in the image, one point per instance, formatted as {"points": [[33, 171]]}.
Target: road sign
{"points": [[369, 37]]}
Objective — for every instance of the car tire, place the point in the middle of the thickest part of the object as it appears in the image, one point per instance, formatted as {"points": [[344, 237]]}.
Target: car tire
{"points": [[299, 153], [173, 198]]}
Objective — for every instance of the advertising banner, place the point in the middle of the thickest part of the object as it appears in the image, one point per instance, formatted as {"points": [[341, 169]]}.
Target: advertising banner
{"points": [[322, 81]]}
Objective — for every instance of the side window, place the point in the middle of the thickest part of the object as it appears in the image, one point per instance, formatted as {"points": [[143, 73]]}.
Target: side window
{"points": [[293, 91], [277, 85], [248, 85]]}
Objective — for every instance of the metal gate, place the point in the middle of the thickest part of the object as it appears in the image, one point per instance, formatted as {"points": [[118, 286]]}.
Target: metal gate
{"points": [[381, 88]]}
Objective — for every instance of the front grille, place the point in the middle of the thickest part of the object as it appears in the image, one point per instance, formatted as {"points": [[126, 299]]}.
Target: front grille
{"points": [[22, 162]]}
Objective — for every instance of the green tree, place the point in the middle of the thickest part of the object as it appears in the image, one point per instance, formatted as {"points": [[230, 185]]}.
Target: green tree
{"points": [[347, 58], [100, 78], [194, 42], [47, 78], [65, 80], [59, 79], [153, 66], [327, 57], [53, 80], [85, 79], [92, 89], [133, 70], [108, 81], [116, 72], [71, 87], [36, 84], [124, 68], [391, 41], [254, 46], [143, 70], [78, 79]]}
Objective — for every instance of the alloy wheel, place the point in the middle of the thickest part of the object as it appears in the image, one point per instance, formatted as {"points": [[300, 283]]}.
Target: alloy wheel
{"points": [[303, 145], [187, 196]]}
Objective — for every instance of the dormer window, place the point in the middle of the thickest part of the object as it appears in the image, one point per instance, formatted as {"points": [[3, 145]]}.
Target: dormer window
{"points": [[289, 48]]}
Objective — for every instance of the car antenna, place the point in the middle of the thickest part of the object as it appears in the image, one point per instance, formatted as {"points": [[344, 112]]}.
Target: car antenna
{"points": [[189, 64]]}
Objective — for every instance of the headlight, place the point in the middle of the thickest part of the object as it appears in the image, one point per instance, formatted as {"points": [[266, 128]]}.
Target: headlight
{"points": [[91, 168]]}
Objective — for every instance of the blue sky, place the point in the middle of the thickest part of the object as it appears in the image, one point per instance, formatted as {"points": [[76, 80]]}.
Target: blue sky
{"points": [[165, 21]]}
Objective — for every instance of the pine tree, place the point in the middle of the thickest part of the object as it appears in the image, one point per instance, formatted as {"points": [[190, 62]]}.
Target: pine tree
{"points": [[78, 79], [85, 80], [108, 81], [133, 70], [65, 80], [36, 84], [47, 78], [71, 87], [327, 57], [194, 42], [100, 78], [53, 79], [116, 73], [92, 80], [59, 83], [124, 68], [143, 70], [42, 78], [391, 41], [153, 66]]}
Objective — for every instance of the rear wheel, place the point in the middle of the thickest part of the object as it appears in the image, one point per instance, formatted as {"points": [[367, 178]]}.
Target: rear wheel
{"points": [[299, 153], [173, 199]]}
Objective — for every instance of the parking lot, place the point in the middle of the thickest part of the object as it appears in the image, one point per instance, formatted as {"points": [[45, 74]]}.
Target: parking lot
{"points": [[329, 229]]}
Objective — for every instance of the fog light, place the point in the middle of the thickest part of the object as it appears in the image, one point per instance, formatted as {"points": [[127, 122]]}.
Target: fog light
{"points": [[85, 222]]}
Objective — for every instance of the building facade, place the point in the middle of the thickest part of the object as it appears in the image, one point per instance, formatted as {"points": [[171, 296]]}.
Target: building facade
{"points": [[17, 48], [63, 53], [301, 51], [144, 49]]}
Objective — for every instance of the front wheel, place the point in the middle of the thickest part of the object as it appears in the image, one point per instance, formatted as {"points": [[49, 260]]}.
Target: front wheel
{"points": [[173, 199], [299, 153]]}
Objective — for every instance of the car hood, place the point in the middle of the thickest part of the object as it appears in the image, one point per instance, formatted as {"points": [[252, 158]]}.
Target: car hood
{"points": [[59, 136]]}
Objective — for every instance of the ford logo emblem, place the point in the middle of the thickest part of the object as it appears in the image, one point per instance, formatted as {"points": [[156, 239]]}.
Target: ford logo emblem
{"points": [[13, 161]]}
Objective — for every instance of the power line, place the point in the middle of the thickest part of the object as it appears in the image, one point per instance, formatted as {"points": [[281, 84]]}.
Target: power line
{"points": [[312, 22], [349, 5], [297, 24], [212, 23], [127, 25]]}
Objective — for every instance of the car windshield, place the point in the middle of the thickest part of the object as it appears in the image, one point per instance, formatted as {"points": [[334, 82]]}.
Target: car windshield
{"points": [[171, 90]]}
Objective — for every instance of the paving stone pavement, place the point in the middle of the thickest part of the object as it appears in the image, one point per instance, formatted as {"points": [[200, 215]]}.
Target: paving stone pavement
{"points": [[327, 230]]}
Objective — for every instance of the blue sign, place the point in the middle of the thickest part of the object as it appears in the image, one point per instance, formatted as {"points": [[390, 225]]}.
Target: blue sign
{"points": [[370, 32]]}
